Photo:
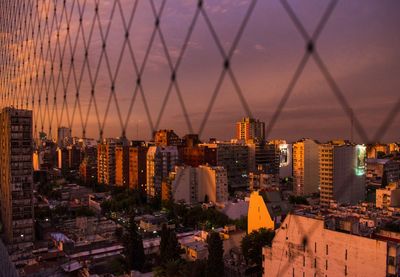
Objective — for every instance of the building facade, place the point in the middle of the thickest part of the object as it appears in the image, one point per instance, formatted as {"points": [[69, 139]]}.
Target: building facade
{"points": [[305, 167], [122, 165], [234, 157], [342, 173], [388, 197], [106, 161], [167, 138], [63, 136], [250, 128], [316, 246], [16, 177], [199, 184], [137, 165], [160, 161]]}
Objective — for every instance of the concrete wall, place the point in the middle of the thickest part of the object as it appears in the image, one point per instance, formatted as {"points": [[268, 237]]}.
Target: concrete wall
{"points": [[327, 252], [258, 215]]}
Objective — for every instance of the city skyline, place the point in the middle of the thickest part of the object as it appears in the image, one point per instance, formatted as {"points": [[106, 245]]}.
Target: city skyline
{"points": [[191, 138]]}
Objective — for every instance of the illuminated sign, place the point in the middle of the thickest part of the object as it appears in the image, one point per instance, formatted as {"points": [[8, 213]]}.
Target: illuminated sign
{"points": [[361, 151], [284, 155]]}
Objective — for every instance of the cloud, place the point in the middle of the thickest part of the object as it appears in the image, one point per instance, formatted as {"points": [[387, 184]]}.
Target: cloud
{"points": [[259, 47]]}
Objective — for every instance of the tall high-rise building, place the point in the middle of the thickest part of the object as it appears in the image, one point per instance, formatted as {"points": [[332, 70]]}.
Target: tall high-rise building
{"points": [[88, 166], [137, 165], [234, 157], [166, 138], [16, 177], [122, 165], [106, 161], [342, 172], [63, 135], [305, 167], [250, 128], [161, 160]]}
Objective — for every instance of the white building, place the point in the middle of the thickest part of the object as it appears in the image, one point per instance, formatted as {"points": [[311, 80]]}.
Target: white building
{"points": [[285, 160], [198, 184], [304, 246], [342, 172], [388, 197]]}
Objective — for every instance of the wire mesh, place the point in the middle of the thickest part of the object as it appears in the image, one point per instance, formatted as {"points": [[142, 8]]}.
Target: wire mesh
{"points": [[83, 64], [76, 63]]}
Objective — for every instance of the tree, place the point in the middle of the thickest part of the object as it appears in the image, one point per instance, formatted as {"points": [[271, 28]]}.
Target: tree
{"points": [[215, 262], [197, 268], [172, 268], [253, 243], [169, 245], [134, 250], [299, 200]]}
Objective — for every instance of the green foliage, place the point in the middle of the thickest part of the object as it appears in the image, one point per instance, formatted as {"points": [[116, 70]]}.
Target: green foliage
{"points": [[172, 268], [207, 217], [116, 266], [49, 190], [119, 231], [299, 200], [241, 223], [215, 262], [197, 268], [60, 211], [134, 251], [169, 246], [123, 200], [196, 217], [253, 243], [84, 211], [380, 155]]}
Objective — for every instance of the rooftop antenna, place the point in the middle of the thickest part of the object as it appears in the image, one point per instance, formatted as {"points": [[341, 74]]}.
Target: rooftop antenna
{"points": [[352, 126]]}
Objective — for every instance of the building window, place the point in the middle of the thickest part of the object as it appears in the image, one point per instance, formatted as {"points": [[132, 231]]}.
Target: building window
{"points": [[293, 272], [315, 262], [327, 250], [326, 265], [315, 247], [304, 260], [345, 255]]}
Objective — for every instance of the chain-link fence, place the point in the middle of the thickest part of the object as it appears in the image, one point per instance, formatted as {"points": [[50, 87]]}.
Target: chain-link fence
{"points": [[103, 68], [118, 66]]}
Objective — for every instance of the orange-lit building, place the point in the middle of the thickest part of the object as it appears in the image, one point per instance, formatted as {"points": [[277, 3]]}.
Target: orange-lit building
{"points": [[88, 166], [375, 151], [122, 165], [16, 179], [137, 165], [106, 161], [250, 128], [199, 155], [167, 138], [305, 167], [166, 192]]}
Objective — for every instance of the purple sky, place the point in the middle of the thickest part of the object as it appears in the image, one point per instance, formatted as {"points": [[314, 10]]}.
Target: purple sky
{"points": [[360, 46]]}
